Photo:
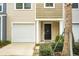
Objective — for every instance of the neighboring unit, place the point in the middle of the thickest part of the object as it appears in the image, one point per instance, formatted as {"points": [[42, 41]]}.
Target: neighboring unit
{"points": [[75, 21], [3, 22], [21, 22]]}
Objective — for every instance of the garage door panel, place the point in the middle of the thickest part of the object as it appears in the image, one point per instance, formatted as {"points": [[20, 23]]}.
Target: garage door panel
{"points": [[23, 33]]}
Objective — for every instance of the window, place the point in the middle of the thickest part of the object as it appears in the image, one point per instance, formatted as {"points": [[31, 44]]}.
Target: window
{"points": [[19, 6], [27, 5], [23, 5], [74, 5], [1, 7], [49, 5]]}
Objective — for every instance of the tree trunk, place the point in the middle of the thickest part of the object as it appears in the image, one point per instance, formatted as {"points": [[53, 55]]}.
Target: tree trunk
{"points": [[68, 29]]}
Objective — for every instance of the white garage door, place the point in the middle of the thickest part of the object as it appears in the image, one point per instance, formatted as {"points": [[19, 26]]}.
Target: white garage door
{"points": [[23, 33], [76, 32]]}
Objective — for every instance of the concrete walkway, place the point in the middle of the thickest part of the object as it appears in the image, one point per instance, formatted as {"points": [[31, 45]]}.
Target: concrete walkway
{"points": [[17, 49]]}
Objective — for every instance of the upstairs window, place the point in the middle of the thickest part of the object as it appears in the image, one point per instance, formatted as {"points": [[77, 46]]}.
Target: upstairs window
{"points": [[19, 5], [49, 5], [23, 5], [74, 5], [1, 7]]}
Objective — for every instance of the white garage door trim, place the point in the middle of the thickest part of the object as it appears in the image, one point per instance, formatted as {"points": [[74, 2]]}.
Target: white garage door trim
{"points": [[21, 23]]}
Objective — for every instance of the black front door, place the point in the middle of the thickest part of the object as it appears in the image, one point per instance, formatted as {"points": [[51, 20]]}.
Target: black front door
{"points": [[47, 29]]}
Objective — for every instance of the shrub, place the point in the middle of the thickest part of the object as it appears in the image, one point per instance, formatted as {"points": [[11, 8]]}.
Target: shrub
{"points": [[0, 44], [58, 48], [3, 43], [52, 45], [61, 37], [37, 44], [76, 49], [6, 42], [45, 49], [59, 41]]}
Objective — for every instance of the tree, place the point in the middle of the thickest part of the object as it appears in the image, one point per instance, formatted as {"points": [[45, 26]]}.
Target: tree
{"points": [[68, 29]]}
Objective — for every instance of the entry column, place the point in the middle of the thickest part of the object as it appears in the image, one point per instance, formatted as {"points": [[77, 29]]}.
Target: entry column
{"points": [[61, 27], [37, 31]]}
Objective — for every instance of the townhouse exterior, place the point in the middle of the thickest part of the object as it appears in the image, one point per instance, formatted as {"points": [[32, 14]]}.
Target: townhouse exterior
{"points": [[37, 22]]}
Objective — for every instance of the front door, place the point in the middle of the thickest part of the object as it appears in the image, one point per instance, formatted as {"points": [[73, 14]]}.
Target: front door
{"points": [[47, 29]]}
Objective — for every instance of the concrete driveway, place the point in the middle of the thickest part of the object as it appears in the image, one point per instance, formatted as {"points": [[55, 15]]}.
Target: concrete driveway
{"points": [[17, 49]]}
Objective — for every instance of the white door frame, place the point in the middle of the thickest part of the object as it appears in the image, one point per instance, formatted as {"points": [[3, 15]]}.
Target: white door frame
{"points": [[20, 23], [48, 22]]}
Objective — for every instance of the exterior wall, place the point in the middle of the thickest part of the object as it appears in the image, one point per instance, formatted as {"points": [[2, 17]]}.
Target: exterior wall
{"points": [[3, 24], [50, 13], [0, 28], [4, 28], [14, 15], [75, 15], [54, 30]]}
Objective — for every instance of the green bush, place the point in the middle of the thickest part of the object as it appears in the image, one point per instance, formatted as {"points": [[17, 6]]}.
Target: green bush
{"points": [[0, 44], [37, 44], [45, 49], [61, 37], [76, 49], [52, 45], [59, 46], [3, 43]]}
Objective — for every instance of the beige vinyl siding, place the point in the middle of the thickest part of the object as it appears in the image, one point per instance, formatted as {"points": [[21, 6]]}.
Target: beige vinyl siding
{"points": [[14, 15], [55, 29], [42, 12]]}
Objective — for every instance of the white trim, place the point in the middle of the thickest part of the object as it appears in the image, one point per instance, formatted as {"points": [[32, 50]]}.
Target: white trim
{"points": [[54, 19], [2, 7], [24, 22], [23, 7], [61, 27], [49, 7], [12, 23], [75, 22], [51, 30], [2, 14], [37, 32]]}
